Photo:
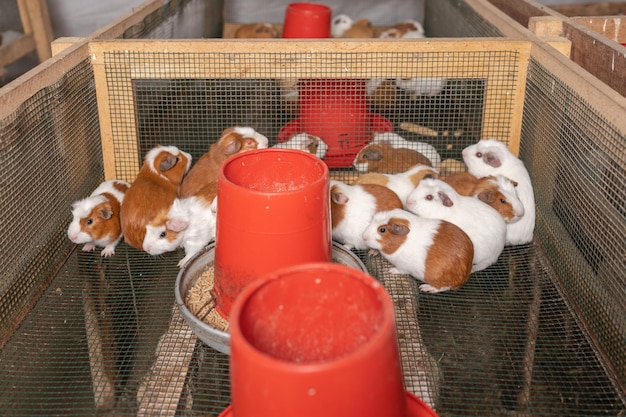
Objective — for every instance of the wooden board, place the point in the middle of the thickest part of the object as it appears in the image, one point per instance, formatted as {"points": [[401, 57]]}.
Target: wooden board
{"points": [[611, 27], [591, 9], [304, 59]]}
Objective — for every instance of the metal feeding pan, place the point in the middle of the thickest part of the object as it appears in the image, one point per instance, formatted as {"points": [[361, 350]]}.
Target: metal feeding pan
{"points": [[201, 262]]}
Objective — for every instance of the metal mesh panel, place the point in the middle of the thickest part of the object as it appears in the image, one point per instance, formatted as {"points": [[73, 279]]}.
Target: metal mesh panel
{"points": [[577, 160], [455, 18], [50, 153]]}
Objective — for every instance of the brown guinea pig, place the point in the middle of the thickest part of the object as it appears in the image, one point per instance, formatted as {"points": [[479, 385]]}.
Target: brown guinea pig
{"points": [[256, 30], [202, 177], [384, 158], [153, 191], [96, 219], [434, 251], [352, 208], [497, 191]]}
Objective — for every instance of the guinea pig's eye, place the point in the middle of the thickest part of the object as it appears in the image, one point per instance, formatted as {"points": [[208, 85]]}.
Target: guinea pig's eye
{"points": [[479, 154], [89, 222], [429, 197], [503, 201], [162, 235], [382, 230]]}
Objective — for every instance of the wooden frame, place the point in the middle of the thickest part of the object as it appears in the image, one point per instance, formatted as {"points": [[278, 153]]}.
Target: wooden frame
{"points": [[37, 33], [306, 65]]}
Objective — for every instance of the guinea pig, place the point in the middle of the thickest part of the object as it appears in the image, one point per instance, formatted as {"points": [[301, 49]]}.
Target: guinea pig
{"points": [[492, 157], [434, 251], [256, 30], [409, 29], [96, 219], [202, 177], [384, 158], [307, 143], [402, 183], [422, 86], [398, 142], [339, 25], [498, 191], [381, 92], [352, 208], [153, 191], [362, 28], [190, 224], [433, 198]]}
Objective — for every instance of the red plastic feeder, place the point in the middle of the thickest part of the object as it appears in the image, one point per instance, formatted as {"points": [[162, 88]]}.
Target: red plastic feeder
{"points": [[313, 340], [307, 20], [336, 110], [273, 210]]}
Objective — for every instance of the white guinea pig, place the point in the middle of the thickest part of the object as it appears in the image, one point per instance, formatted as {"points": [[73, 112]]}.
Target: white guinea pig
{"points": [[492, 157], [422, 86], [397, 141], [352, 208], [433, 198], [96, 219], [434, 251], [307, 143], [340, 24], [190, 224]]}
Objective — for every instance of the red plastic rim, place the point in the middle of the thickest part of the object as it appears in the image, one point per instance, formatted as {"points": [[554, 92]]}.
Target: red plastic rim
{"points": [[414, 406]]}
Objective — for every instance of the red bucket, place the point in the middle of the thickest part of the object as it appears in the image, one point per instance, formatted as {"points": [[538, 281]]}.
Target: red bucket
{"points": [[307, 20], [273, 210], [337, 111]]}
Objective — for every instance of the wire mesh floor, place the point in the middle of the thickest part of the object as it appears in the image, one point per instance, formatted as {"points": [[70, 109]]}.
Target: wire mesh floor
{"points": [[106, 339]]}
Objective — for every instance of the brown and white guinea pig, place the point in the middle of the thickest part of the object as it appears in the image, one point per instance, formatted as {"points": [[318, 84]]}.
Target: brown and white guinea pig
{"points": [[409, 29], [434, 251], [190, 224], [398, 142], [384, 158], [401, 183], [256, 30], [202, 177], [96, 219], [422, 86], [362, 28], [496, 190], [382, 93], [352, 208], [307, 143], [435, 199], [492, 157], [339, 25], [153, 191]]}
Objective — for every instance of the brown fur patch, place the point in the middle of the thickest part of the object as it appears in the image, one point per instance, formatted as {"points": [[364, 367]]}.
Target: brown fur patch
{"points": [[372, 178], [205, 171], [120, 186], [463, 183], [394, 160], [449, 259], [391, 242], [100, 227], [385, 198], [337, 211], [362, 28], [498, 200], [177, 172]]}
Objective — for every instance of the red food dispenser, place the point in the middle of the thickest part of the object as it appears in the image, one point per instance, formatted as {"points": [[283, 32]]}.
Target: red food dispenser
{"points": [[338, 111]]}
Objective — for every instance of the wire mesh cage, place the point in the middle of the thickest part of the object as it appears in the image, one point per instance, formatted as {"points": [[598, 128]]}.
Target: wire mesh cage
{"points": [[540, 332]]}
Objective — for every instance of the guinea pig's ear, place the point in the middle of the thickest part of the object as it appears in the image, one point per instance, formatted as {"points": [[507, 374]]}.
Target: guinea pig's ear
{"points": [[233, 146], [168, 163], [338, 197], [487, 196], [398, 229], [491, 159], [372, 154], [176, 225], [445, 200], [106, 212], [514, 183]]}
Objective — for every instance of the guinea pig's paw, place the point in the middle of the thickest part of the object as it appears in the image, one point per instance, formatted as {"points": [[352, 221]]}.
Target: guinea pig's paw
{"points": [[181, 264], [394, 271], [88, 247], [108, 251], [373, 252], [430, 289]]}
